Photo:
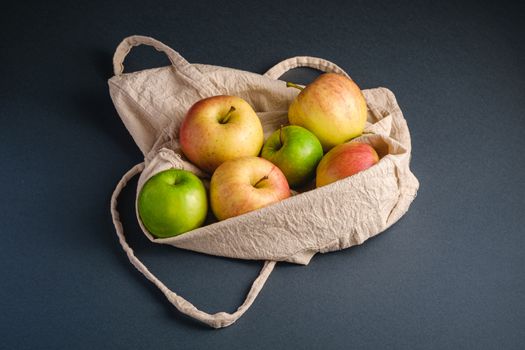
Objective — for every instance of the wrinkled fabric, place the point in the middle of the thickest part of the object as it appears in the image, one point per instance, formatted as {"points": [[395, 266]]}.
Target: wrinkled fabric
{"points": [[152, 104]]}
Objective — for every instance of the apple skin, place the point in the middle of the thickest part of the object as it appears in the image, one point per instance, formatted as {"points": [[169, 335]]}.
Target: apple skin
{"points": [[236, 186], [298, 154], [172, 202], [207, 142], [345, 160], [332, 107]]}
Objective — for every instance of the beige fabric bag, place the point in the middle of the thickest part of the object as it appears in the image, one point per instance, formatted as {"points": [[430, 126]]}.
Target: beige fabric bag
{"points": [[152, 104]]}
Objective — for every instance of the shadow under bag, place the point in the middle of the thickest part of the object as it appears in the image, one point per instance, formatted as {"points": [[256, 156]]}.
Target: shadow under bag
{"points": [[152, 104]]}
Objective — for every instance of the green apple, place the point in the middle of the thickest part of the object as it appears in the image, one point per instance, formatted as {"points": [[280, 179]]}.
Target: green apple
{"points": [[296, 151], [332, 107], [245, 184], [172, 202], [220, 128]]}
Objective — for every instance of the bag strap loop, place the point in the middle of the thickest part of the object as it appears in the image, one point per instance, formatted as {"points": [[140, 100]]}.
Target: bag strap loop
{"points": [[303, 61], [128, 43], [217, 320]]}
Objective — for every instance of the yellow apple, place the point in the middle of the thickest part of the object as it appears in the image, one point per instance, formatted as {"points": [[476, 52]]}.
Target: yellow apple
{"points": [[332, 107]]}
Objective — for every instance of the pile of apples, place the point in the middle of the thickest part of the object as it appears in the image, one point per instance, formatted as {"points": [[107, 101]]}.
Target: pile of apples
{"points": [[223, 136]]}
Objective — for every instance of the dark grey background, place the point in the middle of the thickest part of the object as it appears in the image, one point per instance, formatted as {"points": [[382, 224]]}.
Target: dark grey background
{"points": [[450, 274]]}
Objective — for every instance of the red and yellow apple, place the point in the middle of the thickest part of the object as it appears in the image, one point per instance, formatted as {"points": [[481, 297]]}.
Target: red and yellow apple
{"points": [[345, 160], [220, 128], [332, 107], [245, 184]]}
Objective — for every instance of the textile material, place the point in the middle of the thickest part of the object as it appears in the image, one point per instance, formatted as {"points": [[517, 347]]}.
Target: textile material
{"points": [[152, 104]]}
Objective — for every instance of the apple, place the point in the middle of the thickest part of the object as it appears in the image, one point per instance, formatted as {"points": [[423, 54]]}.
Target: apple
{"points": [[245, 184], [332, 107], [345, 160], [296, 151], [172, 202], [220, 128]]}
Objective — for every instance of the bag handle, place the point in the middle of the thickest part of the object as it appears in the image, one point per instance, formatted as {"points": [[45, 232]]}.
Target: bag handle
{"points": [[218, 320], [303, 61], [128, 43]]}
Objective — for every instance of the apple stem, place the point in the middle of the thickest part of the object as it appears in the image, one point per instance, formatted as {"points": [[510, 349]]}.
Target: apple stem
{"points": [[281, 135], [226, 118], [288, 84], [265, 177]]}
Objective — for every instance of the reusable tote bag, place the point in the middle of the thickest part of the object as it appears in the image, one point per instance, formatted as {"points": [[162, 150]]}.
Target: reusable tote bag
{"points": [[152, 104]]}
